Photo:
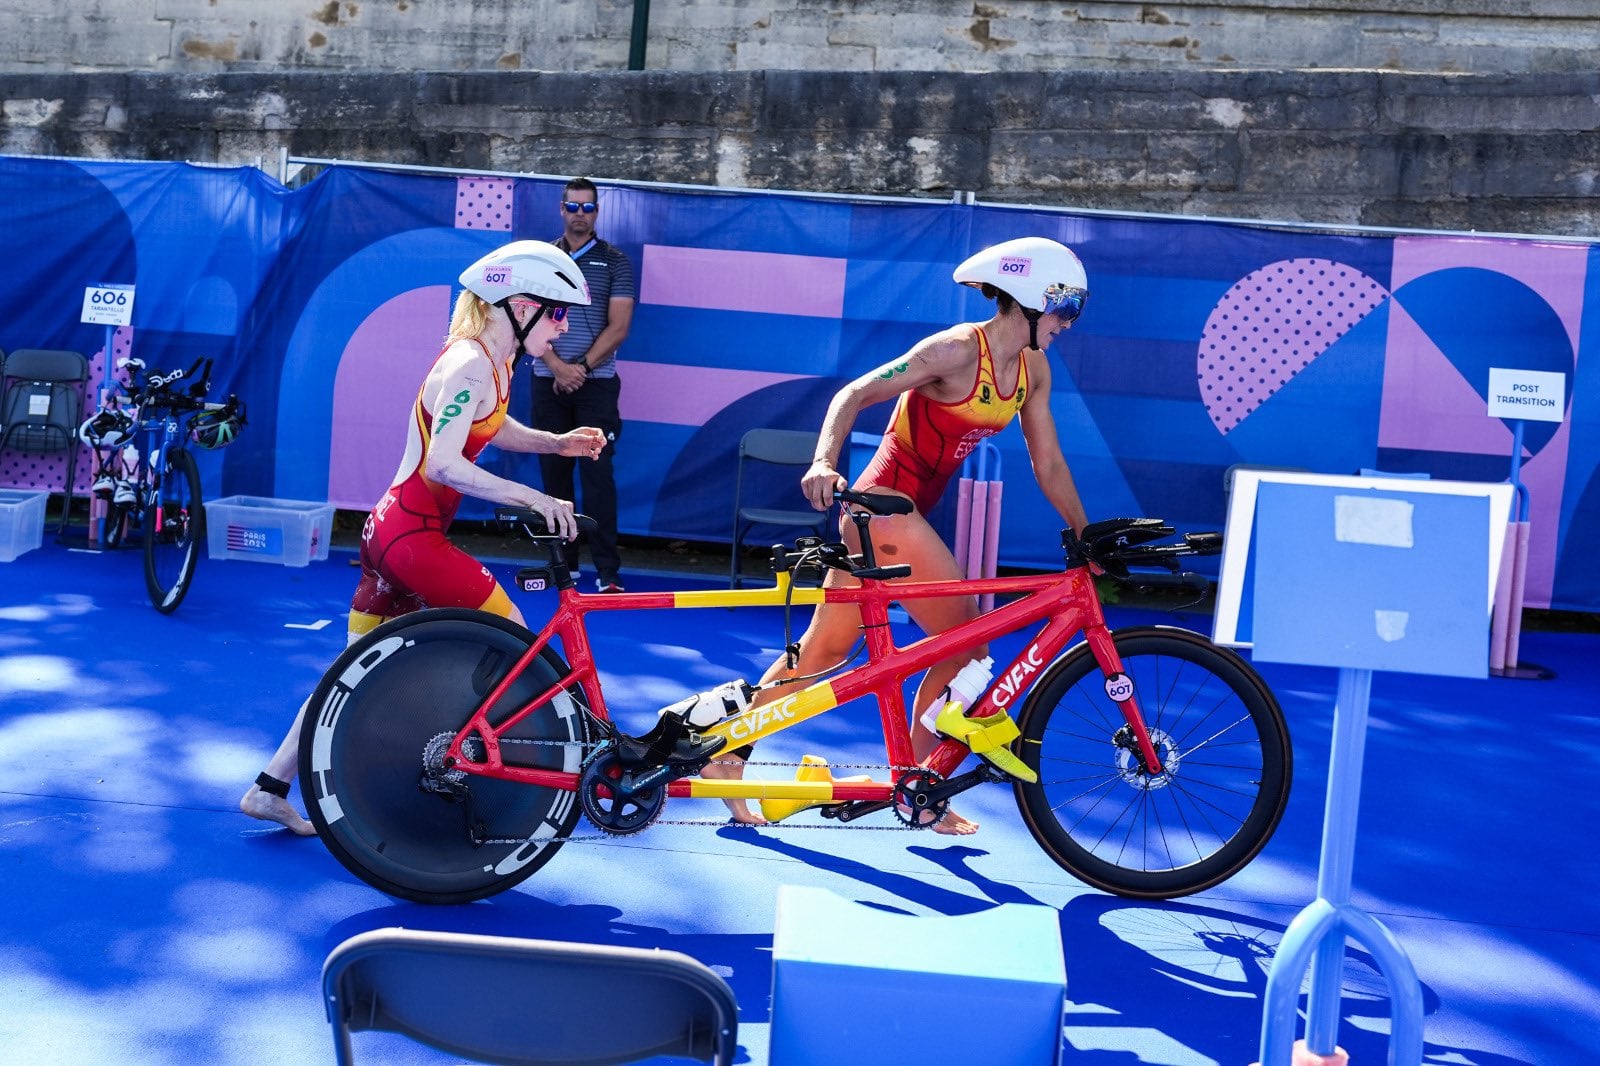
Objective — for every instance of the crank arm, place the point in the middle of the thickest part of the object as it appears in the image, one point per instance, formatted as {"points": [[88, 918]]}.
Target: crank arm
{"points": [[849, 812], [645, 780], [982, 774]]}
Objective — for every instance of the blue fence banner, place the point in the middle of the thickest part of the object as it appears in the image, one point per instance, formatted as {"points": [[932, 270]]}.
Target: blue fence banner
{"points": [[1204, 345]]}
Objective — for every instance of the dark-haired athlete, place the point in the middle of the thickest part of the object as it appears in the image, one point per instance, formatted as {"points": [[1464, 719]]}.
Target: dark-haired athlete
{"points": [[951, 390]]}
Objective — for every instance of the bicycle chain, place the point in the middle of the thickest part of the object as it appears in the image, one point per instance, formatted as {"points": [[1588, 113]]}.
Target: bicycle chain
{"points": [[795, 765], [724, 823], [711, 822]]}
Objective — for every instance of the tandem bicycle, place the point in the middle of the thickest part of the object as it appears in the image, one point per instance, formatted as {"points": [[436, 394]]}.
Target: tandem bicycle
{"points": [[449, 754]]}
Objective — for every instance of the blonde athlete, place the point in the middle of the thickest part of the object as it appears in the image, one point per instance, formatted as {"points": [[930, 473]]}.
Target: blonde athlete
{"points": [[950, 390], [406, 561]]}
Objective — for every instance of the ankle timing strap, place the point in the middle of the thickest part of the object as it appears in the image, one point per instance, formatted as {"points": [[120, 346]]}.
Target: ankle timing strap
{"points": [[269, 784]]}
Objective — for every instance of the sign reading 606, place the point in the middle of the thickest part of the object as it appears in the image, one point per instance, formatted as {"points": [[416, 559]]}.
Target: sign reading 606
{"points": [[108, 305]]}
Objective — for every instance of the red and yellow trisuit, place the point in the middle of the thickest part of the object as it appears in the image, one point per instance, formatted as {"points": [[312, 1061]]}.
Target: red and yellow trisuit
{"points": [[927, 440], [406, 561]]}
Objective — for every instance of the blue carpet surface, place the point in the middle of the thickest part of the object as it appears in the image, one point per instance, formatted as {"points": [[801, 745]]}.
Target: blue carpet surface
{"points": [[147, 922]]}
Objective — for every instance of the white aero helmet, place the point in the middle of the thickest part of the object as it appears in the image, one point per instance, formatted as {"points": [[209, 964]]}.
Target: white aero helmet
{"points": [[535, 269], [1042, 275]]}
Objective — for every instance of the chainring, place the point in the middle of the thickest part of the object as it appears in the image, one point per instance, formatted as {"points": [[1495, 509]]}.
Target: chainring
{"points": [[606, 807], [912, 804]]}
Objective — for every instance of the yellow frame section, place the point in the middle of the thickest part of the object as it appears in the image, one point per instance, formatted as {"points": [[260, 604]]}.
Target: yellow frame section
{"points": [[777, 715], [758, 723], [777, 596], [701, 788]]}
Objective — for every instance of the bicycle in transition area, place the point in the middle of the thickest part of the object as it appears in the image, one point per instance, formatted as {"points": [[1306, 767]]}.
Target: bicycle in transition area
{"points": [[146, 475], [449, 754]]}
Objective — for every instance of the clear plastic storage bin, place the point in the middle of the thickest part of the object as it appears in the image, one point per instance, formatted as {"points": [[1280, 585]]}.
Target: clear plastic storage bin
{"points": [[291, 532], [21, 521]]}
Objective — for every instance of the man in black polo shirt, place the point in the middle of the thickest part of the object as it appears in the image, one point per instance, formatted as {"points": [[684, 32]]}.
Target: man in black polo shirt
{"points": [[576, 383]]}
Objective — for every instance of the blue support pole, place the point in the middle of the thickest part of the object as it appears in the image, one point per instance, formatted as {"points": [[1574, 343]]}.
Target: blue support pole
{"points": [[1315, 939], [1516, 470], [1520, 506], [1334, 874], [108, 378]]}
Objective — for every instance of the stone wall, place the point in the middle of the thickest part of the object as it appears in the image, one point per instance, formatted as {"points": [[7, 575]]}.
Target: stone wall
{"points": [[204, 36], [1459, 114], [1496, 153]]}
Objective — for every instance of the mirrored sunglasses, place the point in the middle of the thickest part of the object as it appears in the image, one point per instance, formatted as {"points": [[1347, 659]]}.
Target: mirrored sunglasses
{"points": [[573, 207], [1065, 302], [556, 312]]}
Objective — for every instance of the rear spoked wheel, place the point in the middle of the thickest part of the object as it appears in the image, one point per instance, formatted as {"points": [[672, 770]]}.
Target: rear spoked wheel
{"points": [[173, 527], [1101, 814]]}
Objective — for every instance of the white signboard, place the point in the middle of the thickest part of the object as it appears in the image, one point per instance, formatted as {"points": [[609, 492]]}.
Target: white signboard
{"points": [[1385, 522], [1538, 395], [108, 305]]}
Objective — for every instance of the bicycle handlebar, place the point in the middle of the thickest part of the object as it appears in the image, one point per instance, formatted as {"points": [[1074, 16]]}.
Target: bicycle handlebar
{"points": [[532, 523], [157, 389], [1113, 545], [1116, 544]]}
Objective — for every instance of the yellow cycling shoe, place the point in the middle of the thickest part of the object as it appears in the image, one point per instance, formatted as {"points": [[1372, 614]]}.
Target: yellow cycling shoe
{"points": [[812, 768], [987, 737]]}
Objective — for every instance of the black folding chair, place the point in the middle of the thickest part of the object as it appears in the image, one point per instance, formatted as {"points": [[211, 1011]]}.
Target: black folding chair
{"points": [[537, 1002], [784, 455], [41, 406]]}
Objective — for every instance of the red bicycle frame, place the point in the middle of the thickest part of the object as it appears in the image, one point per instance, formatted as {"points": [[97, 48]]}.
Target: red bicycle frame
{"points": [[1066, 601]]}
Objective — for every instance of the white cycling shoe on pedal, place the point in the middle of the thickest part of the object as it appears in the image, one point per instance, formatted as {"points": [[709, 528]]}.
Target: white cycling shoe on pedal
{"points": [[671, 743]]}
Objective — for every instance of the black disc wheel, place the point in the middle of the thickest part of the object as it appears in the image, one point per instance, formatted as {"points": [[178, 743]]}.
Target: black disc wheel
{"points": [[372, 768], [1212, 805], [605, 805], [173, 529]]}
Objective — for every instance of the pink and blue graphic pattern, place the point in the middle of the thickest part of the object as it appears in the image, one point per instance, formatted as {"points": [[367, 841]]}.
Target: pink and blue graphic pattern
{"points": [[1204, 345]]}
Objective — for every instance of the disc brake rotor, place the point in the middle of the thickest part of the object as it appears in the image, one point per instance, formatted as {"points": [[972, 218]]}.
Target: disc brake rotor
{"points": [[1128, 763]]}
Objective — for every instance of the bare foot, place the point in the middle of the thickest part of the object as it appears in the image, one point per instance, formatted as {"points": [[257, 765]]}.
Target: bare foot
{"points": [[732, 769], [954, 825], [270, 808], [951, 825]]}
